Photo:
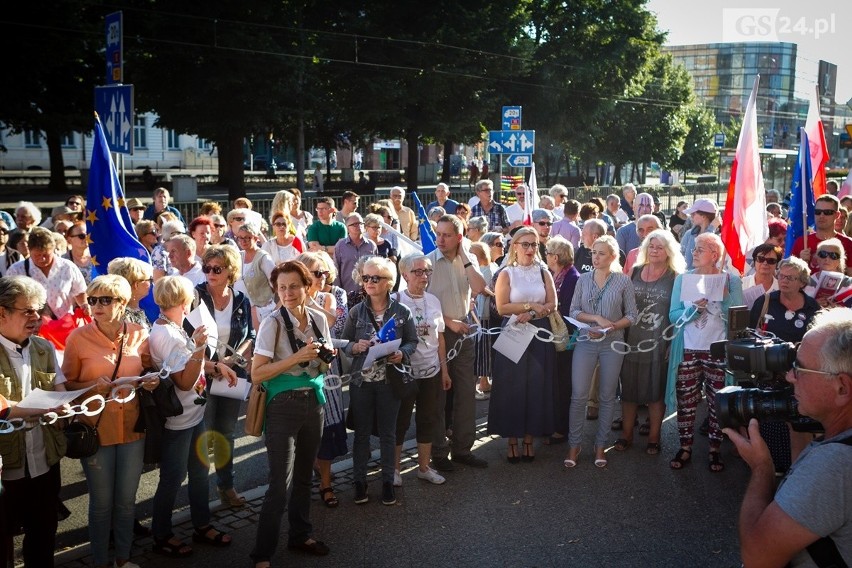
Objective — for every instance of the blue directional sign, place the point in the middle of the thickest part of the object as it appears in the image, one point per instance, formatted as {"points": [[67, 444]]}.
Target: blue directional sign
{"points": [[114, 54], [719, 140], [511, 141], [511, 118], [114, 104], [520, 160]]}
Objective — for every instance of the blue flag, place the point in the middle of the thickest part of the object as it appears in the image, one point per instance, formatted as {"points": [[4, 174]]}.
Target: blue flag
{"points": [[802, 198], [110, 229], [427, 234], [387, 332]]}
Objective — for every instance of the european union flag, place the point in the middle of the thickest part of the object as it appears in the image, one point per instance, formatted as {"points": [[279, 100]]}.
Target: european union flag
{"points": [[427, 234], [801, 199], [110, 229]]}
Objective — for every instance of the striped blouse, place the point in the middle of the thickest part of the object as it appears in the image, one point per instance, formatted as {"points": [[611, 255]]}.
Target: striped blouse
{"points": [[614, 301]]}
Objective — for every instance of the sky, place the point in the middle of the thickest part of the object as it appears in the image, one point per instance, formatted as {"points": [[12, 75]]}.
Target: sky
{"points": [[817, 27]]}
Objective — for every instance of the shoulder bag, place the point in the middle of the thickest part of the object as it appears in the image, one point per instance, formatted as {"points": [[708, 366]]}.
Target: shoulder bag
{"points": [[256, 410]]}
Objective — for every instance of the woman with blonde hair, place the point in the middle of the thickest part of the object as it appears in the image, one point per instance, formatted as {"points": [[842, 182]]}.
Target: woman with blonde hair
{"points": [[256, 269], [284, 245], [301, 219], [140, 276]]}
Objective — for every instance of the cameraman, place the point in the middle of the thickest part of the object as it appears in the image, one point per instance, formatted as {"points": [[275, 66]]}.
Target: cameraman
{"points": [[813, 499]]}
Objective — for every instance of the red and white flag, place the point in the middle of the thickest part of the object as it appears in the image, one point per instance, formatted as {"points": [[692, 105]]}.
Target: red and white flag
{"points": [[846, 186], [818, 147], [530, 197], [744, 224]]}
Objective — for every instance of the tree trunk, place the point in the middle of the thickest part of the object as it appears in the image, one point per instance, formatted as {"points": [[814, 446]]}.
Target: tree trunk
{"points": [[231, 164], [57, 163], [300, 156], [446, 175], [643, 174], [327, 163], [412, 138], [616, 180]]}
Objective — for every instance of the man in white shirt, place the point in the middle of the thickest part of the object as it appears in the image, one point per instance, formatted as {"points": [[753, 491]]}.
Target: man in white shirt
{"points": [[408, 225], [515, 211], [181, 249], [559, 193]]}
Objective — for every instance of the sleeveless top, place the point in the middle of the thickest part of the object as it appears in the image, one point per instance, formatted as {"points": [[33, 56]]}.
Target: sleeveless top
{"points": [[257, 285], [526, 284]]}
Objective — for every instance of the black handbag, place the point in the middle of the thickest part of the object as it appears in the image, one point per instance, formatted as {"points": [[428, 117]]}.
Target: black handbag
{"points": [[166, 399]]}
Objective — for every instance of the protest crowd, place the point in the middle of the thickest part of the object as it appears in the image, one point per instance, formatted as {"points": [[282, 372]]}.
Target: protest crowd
{"points": [[565, 316]]}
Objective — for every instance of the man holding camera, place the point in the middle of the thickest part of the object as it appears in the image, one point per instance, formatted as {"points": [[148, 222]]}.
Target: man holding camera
{"points": [[807, 521]]}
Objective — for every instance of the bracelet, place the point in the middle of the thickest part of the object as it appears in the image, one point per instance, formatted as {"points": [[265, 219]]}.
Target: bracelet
{"points": [[216, 369], [197, 359], [468, 264]]}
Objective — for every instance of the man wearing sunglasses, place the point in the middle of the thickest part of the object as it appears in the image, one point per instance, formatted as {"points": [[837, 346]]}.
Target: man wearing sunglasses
{"points": [[348, 250], [542, 221], [181, 250], [808, 515], [826, 210]]}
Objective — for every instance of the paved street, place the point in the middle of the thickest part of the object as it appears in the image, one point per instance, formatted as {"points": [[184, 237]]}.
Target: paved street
{"points": [[636, 512]]}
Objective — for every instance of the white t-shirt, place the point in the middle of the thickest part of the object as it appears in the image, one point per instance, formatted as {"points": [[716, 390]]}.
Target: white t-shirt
{"points": [[428, 322], [278, 253], [63, 282], [223, 325], [166, 343], [515, 212]]}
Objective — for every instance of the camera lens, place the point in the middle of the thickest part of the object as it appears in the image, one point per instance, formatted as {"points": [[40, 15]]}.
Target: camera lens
{"points": [[736, 406]]}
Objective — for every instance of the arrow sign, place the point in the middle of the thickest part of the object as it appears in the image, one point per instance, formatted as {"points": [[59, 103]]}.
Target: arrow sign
{"points": [[519, 160], [511, 141], [527, 143], [511, 118], [114, 104]]}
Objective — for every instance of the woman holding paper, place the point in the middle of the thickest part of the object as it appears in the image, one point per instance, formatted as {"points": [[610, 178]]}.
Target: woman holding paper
{"points": [[765, 257], [231, 310], [521, 403], [605, 300], [95, 356], [691, 367], [830, 257]]}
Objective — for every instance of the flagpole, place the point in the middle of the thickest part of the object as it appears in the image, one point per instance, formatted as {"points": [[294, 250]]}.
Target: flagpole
{"points": [[803, 139]]}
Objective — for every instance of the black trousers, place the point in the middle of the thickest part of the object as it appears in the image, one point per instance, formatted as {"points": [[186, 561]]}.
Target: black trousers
{"points": [[30, 503]]}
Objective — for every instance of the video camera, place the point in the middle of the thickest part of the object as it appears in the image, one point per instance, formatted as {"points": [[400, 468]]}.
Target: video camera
{"points": [[755, 358]]}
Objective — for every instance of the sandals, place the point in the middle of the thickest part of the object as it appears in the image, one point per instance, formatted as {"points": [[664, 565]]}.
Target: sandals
{"points": [[231, 498], [172, 548], [623, 444], [600, 462], [513, 456], [528, 454], [571, 463], [681, 459], [716, 465], [652, 449], [645, 428], [202, 535], [330, 502]]}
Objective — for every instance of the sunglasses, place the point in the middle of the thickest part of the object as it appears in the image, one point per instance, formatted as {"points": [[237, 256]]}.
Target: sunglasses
{"points": [[81, 236], [825, 211], [545, 224], [767, 260], [207, 269], [498, 245], [73, 203], [422, 272], [219, 226], [239, 219], [28, 312], [321, 273], [4, 231], [828, 254], [279, 225], [102, 300], [155, 233], [372, 278]]}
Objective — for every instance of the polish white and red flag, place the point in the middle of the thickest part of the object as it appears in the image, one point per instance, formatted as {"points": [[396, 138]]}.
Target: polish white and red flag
{"points": [[744, 223], [818, 147], [530, 197]]}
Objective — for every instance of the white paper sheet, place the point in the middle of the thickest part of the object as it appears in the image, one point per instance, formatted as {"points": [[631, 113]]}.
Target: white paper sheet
{"points": [[42, 399], [380, 350], [240, 391], [695, 287], [202, 316], [143, 378], [577, 323], [751, 295], [514, 339]]}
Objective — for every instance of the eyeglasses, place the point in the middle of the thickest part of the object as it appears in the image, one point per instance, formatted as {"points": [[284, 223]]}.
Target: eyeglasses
{"points": [[81, 236], [246, 238], [355, 224], [102, 300], [238, 219], [207, 269], [372, 226], [788, 277], [375, 279], [279, 224], [825, 211], [321, 273], [498, 244], [545, 224], [768, 260], [527, 246], [28, 312], [799, 369], [419, 272], [829, 254]]}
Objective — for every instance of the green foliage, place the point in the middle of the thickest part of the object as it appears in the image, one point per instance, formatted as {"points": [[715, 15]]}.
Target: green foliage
{"points": [[699, 154]]}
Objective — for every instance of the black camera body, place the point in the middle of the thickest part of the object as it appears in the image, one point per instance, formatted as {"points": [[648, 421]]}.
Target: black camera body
{"points": [[755, 359], [326, 352]]}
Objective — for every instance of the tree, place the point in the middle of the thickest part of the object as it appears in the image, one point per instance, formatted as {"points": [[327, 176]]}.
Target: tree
{"points": [[698, 155]]}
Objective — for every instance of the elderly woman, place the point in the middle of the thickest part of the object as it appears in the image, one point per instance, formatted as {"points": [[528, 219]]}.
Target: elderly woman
{"points": [[95, 356], [78, 251], [477, 227], [765, 257], [201, 230], [140, 276], [147, 233], [643, 374], [159, 255], [787, 313], [285, 245], [183, 355], [428, 366], [521, 404], [373, 228], [830, 257], [560, 261], [8, 255], [257, 267], [220, 225], [286, 360], [604, 298], [691, 367], [369, 391], [236, 218], [389, 217], [231, 310], [495, 247], [482, 359]]}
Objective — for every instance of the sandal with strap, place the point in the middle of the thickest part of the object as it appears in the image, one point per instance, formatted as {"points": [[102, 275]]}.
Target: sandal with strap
{"points": [[623, 444], [716, 465], [330, 502], [231, 498], [173, 548], [528, 454], [652, 449], [681, 459], [645, 428], [512, 456], [202, 535]]}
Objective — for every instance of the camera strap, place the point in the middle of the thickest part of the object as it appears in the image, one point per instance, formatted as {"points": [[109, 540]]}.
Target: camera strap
{"points": [[288, 325], [761, 324]]}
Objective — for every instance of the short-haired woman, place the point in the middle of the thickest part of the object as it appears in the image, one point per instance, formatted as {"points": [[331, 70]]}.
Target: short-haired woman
{"points": [[765, 257], [78, 249], [257, 267], [140, 276]]}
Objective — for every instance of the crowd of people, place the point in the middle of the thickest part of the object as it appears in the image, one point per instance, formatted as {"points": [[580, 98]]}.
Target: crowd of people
{"points": [[299, 302]]}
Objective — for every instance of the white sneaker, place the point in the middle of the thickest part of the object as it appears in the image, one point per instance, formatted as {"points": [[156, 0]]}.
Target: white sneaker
{"points": [[127, 564], [397, 478], [431, 476]]}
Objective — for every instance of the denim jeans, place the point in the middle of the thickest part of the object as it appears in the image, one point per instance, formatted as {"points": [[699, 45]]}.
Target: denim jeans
{"points": [[365, 401], [220, 417], [293, 433], [112, 475], [184, 451]]}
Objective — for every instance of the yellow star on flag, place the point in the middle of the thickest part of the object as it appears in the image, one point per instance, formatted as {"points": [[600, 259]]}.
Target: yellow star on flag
{"points": [[121, 202], [88, 239], [95, 261], [92, 217], [106, 204]]}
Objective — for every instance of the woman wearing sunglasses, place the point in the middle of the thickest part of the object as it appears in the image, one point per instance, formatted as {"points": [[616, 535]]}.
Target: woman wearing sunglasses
{"points": [[232, 312], [257, 267], [95, 356], [284, 245], [78, 249], [765, 257], [830, 257], [369, 391]]}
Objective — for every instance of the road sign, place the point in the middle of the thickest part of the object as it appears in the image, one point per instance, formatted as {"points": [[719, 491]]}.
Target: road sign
{"points": [[719, 140], [114, 104], [511, 141], [520, 160], [114, 54], [511, 118], [767, 141]]}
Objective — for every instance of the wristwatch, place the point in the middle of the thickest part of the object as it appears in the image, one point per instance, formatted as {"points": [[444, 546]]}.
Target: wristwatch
{"points": [[216, 369], [532, 313]]}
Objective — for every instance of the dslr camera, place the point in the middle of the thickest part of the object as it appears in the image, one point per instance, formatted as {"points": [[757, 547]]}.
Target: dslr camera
{"points": [[754, 360], [325, 354]]}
